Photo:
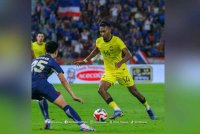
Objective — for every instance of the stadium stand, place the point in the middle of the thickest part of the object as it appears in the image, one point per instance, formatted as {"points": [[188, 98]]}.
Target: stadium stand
{"points": [[140, 23]]}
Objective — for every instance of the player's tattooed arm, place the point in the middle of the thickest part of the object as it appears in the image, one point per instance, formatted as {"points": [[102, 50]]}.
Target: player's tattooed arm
{"points": [[94, 52], [126, 56]]}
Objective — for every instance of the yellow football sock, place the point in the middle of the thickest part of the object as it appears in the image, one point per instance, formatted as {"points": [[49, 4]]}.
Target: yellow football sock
{"points": [[146, 104], [114, 105]]}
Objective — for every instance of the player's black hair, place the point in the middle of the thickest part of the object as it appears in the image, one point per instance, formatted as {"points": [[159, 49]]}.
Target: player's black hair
{"points": [[40, 33], [104, 23], [51, 46]]}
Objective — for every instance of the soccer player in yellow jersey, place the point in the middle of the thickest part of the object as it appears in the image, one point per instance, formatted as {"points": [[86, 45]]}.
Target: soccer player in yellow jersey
{"points": [[115, 55], [38, 49]]}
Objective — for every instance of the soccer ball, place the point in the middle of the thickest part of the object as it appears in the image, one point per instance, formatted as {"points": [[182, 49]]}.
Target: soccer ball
{"points": [[100, 115]]}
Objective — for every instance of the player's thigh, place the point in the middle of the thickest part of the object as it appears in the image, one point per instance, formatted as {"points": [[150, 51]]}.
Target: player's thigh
{"points": [[36, 96], [104, 85], [109, 77], [125, 79], [46, 90], [50, 92], [60, 101]]}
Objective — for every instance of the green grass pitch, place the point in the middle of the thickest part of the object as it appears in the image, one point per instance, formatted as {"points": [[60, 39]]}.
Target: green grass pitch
{"points": [[135, 119]]}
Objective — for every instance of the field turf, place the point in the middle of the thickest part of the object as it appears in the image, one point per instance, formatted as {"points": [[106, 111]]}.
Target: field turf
{"points": [[135, 119]]}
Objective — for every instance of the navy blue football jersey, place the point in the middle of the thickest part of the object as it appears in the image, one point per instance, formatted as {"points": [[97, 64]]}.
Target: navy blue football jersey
{"points": [[42, 67]]}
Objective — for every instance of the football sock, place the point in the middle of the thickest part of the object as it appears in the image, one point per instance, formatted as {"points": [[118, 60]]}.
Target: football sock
{"points": [[44, 108], [71, 113], [146, 105], [114, 106], [109, 100]]}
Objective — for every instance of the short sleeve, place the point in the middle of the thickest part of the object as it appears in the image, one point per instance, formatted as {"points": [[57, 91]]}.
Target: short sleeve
{"points": [[121, 43], [97, 44], [57, 67], [32, 44]]}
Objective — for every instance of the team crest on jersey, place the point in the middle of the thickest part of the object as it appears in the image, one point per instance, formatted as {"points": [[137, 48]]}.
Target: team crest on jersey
{"points": [[111, 48]]}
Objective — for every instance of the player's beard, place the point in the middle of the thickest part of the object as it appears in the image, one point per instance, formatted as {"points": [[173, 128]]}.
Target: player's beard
{"points": [[107, 38]]}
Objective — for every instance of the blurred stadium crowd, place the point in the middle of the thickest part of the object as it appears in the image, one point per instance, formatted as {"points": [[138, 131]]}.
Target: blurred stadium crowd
{"points": [[140, 24]]}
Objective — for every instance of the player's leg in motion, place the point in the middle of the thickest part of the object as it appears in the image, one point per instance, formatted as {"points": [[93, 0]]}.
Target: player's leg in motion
{"points": [[133, 90], [104, 86], [44, 109], [71, 113]]}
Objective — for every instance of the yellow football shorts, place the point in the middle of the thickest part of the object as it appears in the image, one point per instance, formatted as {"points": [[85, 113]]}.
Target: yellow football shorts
{"points": [[121, 75]]}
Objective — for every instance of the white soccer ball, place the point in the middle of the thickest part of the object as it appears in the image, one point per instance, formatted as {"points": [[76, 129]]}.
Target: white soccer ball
{"points": [[100, 115]]}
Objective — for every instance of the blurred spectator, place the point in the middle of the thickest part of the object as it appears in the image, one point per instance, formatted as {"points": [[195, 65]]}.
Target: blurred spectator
{"points": [[139, 23], [78, 47]]}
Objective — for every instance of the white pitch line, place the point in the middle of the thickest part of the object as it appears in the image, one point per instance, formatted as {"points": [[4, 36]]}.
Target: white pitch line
{"points": [[96, 122]]}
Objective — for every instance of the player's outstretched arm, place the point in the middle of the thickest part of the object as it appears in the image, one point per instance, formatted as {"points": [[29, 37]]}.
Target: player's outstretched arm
{"points": [[67, 87], [127, 56], [94, 52]]}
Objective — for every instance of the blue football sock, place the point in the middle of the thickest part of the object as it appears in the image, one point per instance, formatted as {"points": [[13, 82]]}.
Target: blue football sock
{"points": [[44, 108], [71, 113]]}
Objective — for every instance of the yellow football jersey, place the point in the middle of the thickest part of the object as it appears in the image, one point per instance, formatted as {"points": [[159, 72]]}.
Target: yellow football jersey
{"points": [[111, 51], [38, 50]]}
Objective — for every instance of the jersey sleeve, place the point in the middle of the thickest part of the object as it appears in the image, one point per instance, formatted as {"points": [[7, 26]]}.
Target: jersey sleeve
{"points": [[32, 45], [57, 69], [96, 44], [121, 43]]}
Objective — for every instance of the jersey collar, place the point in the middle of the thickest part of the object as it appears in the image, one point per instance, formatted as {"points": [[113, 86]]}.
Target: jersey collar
{"points": [[109, 40]]}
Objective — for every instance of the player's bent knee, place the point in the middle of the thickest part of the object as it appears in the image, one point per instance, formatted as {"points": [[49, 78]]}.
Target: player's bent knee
{"points": [[60, 101], [101, 91]]}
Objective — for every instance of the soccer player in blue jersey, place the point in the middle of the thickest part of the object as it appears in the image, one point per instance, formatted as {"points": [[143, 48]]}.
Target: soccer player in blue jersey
{"points": [[38, 49], [42, 68]]}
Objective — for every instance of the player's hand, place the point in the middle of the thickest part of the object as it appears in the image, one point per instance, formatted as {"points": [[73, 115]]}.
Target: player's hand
{"points": [[78, 63], [78, 99], [118, 64]]}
